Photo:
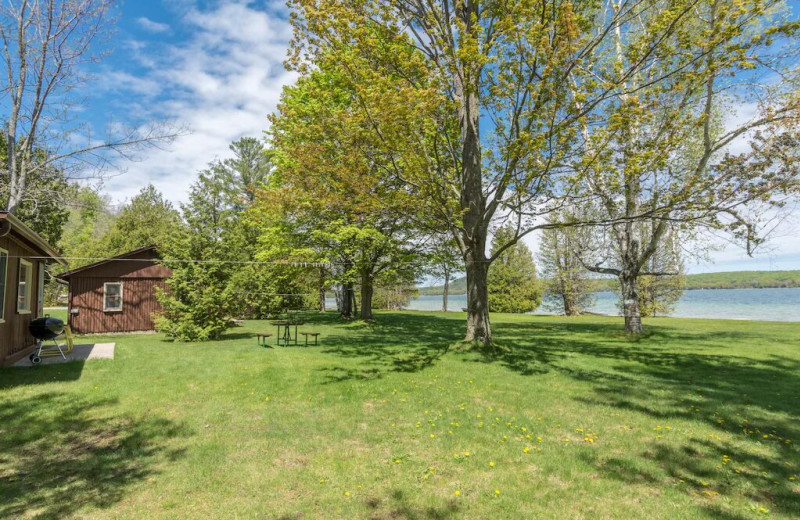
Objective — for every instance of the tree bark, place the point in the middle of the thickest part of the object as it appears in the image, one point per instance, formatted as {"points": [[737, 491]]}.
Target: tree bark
{"points": [[570, 306], [367, 290], [630, 303], [475, 219], [478, 327], [446, 291]]}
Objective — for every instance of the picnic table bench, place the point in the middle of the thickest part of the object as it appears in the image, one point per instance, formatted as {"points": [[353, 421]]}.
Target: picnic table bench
{"points": [[314, 335], [262, 338]]}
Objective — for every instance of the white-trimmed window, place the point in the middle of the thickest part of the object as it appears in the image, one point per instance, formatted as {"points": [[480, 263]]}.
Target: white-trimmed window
{"points": [[112, 296], [24, 285], [3, 280]]}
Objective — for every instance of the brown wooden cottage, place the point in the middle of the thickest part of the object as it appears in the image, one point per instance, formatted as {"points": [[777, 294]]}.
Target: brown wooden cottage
{"points": [[23, 256], [116, 294]]}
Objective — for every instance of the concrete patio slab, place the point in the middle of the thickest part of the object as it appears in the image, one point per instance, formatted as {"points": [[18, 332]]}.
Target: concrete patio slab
{"points": [[79, 353]]}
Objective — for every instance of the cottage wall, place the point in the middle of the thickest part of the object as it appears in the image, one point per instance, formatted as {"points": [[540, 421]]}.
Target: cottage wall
{"points": [[139, 275], [15, 340]]}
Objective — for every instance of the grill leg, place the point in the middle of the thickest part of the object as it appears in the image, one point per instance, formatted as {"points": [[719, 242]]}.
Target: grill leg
{"points": [[59, 349]]}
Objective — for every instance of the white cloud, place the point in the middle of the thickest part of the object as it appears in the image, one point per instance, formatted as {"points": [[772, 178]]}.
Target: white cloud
{"points": [[221, 82], [151, 26]]}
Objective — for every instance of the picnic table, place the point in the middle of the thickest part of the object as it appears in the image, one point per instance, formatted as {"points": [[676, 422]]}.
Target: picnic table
{"points": [[285, 331]]}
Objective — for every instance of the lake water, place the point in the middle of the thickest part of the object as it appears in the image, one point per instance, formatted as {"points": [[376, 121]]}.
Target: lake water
{"points": [[731, 304]]}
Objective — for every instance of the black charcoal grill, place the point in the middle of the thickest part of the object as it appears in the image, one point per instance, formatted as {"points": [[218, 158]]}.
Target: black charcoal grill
{"points": [[45, 329]]}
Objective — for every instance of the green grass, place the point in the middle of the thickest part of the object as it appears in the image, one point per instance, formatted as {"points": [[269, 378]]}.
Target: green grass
{"points": [[57, 312], [699, 419]]}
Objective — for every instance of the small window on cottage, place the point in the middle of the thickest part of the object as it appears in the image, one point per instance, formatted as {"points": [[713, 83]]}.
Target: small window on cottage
{"points": [[112, 297], [3, 277], [24, 284]]}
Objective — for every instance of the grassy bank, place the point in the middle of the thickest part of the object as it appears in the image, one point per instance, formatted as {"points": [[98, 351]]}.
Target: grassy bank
{"points": [[699, 419]]}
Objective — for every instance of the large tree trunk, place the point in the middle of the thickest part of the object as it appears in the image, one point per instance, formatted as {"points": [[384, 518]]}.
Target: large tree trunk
{"points": [[347, 300], [478, 326], [630, 303], [367, 290], [475, 219], [446, 291], [570, 305]]}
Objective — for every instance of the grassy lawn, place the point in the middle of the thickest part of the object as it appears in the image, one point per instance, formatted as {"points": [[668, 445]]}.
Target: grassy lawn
{"points": [[700, 419]]}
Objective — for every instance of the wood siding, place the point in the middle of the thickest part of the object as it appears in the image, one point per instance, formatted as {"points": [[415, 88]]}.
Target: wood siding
{"points": [[139, 274], [14, 336], [138, 304]]}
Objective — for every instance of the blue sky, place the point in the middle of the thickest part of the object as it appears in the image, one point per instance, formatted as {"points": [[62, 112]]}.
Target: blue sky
{"points": [[217, 67]]}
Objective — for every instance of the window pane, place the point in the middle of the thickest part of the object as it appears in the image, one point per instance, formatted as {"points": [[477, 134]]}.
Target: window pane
{"points": [[3, 275], [24, 301], [113, 296]]}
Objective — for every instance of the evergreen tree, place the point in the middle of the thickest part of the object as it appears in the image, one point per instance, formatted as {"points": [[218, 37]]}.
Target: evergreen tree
{"points": [[513, 286], [249, 167], [198, 306], [147, 220]]}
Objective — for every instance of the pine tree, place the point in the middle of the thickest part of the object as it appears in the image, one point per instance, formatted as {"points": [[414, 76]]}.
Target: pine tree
{"points": [[198, 305], [513, 285], [147, 220]]}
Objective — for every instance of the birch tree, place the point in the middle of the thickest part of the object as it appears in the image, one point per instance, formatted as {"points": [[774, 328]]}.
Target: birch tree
{"points": [[47, 48], [658, 156]]}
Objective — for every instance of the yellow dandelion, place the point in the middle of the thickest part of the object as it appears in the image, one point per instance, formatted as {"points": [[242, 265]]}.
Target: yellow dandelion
{"points": [[491, 463], [346, 494], [457, 492], [496, 492], [526, 450], [432, 436], [466, 454]]}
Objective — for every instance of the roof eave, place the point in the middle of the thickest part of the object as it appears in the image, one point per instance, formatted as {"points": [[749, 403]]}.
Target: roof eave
{"points": [[31, 236], [66, 275]]}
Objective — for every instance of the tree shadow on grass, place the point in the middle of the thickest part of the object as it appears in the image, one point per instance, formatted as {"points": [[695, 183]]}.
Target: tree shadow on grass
{"points": [[60, 454], [17, 376], [393, 343], [670, 373], [398, 506], [749, 402]]}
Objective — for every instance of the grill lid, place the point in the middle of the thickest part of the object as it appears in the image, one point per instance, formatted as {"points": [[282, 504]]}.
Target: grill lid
{"points": [[46, 328]]}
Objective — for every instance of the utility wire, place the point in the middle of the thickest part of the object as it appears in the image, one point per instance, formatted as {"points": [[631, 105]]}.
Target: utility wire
{"points": [[288, 263]]}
